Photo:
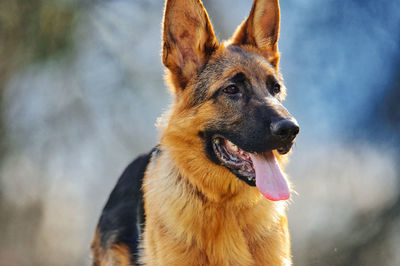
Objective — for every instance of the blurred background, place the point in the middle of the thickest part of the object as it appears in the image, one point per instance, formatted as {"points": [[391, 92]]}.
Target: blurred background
{"points": [[81, 87]]}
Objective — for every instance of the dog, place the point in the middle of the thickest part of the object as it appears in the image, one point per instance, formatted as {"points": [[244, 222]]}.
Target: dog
{"points": [[213, 191]]}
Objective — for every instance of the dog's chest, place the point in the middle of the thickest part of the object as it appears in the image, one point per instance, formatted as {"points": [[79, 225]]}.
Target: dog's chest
{"points": [[183, 228], [224, 236]]}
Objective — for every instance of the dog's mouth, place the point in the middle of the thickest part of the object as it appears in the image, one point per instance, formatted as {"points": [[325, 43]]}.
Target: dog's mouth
{"points": [[256, 169]]}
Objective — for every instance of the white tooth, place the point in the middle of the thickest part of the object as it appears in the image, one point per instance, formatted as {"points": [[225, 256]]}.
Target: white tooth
{"points": [[249, 178], [232, 146], [216, 141]]}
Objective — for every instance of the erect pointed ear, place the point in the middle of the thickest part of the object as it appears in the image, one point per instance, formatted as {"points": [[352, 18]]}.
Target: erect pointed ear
{"points": [[188, 40], [261, 30]]}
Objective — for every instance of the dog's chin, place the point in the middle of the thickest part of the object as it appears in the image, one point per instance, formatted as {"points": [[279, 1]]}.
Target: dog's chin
{"points": [[237, 160]]}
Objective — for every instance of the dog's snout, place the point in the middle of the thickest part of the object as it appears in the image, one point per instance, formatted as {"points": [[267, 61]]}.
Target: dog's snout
{"points": [[285, 129]]}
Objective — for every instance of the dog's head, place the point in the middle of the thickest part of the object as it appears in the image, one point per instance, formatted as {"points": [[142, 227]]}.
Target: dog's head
{"points": [[228, 121]]}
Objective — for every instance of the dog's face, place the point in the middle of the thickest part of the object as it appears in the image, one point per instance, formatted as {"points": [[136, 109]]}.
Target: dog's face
{"points": [[229, 96], [248, 116]]}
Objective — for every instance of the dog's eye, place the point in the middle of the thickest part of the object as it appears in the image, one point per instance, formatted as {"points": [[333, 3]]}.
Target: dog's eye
{"points": [[231, 89], [276, 88]]}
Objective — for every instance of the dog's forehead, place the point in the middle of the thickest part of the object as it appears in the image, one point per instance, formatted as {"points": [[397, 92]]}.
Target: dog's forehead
{"points": [[249, 58], [235, 59], [225, 65]]}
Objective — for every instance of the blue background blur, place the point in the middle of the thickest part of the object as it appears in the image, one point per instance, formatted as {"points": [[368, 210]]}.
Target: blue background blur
{"points": [[81, 87]]}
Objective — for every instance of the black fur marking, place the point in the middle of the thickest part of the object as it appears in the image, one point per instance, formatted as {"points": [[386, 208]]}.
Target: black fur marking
{"points": [[201, 134], [236, 49], [203, 81], [239, 78], [212, 69], [124, 212], [200, 93]]}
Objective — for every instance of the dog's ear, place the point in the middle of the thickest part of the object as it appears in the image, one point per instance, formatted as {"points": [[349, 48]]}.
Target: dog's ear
{"points": [[188, 40], [261, 30]]}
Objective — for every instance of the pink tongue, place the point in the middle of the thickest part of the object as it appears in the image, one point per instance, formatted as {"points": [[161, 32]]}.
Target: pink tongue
{"points": [[269, 177]]}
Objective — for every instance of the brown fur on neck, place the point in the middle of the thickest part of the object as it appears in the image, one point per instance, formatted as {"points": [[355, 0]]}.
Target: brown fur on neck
{"points": [[187, 227]]}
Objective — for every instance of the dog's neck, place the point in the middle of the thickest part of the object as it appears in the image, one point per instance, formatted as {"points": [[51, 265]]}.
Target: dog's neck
{"points": [[177, 168], [204, 220]]}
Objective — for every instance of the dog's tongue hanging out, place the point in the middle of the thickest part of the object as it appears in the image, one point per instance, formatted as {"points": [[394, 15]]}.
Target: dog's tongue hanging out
{"points": [[269, 177]]}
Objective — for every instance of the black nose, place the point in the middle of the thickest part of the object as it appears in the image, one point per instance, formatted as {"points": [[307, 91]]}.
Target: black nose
{"points": [[285, 129]]}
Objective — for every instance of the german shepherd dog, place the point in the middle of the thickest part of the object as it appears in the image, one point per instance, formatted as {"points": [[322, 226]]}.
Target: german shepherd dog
{"points": [[213, 191]]}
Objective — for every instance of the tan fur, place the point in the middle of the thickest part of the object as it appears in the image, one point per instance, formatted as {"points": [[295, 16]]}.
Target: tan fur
{"points": [[237, 226], [182, 24], [198, 212], [260, 30], [116, 255]]}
